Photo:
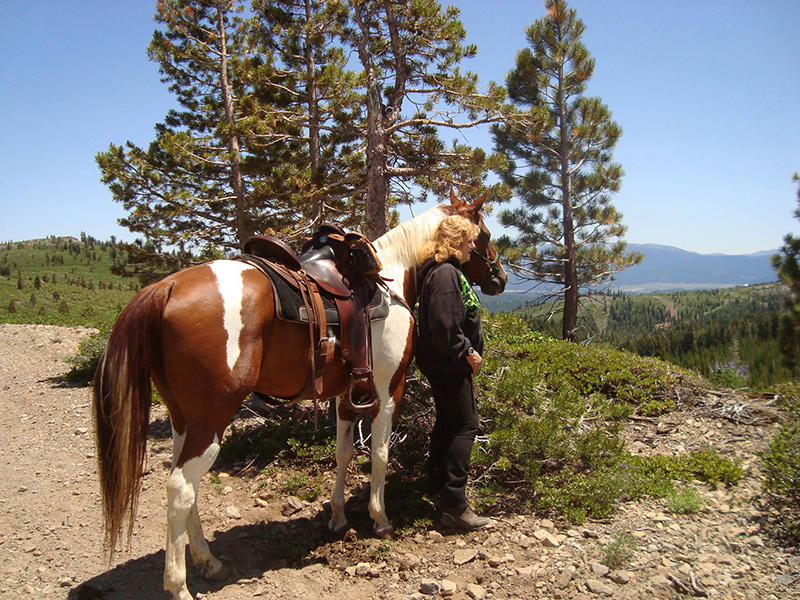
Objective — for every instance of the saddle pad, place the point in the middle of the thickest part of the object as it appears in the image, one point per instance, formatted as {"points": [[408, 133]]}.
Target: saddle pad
{"points": [[289, 303]]}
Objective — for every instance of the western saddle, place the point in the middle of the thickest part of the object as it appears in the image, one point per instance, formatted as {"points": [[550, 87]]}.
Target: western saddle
{"points": [[343, 267]]}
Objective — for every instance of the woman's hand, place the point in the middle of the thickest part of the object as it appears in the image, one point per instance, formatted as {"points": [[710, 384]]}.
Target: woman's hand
{"points": [[475, 361]]}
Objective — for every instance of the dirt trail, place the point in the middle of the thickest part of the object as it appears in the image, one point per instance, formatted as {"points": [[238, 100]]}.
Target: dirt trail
{"points": [[51, 534]]}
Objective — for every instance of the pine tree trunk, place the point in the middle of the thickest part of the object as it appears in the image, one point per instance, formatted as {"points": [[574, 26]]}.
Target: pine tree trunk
{"points": [[377, 204], [313, 127], [237, 181], [569, 323], [377, 200]]}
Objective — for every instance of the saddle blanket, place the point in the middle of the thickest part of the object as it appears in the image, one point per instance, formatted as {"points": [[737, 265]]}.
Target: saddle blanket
{"points": [[289, 303]]}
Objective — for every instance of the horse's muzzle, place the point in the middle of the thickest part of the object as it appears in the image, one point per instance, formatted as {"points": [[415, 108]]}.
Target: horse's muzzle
{"points": [[492, 285]]}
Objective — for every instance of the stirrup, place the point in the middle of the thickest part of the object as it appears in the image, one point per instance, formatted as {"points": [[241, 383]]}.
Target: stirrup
{"points": [[361, 405]]}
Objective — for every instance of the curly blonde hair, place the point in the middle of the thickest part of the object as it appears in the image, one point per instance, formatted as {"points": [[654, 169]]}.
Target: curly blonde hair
{"points": [[451, 233]]}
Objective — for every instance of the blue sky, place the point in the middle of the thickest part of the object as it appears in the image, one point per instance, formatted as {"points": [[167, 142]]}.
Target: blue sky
{"points": [[706, 92]]}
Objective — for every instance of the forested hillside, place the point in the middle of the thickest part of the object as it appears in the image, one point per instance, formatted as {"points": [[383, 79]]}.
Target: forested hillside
{"points": [[63, 281], [727, 335]]}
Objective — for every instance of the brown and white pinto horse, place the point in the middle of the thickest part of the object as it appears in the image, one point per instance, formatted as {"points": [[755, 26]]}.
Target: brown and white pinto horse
{"points": [[208, 337]]}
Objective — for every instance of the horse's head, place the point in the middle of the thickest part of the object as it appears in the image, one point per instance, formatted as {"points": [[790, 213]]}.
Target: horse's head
{"points": [[484, 266]]}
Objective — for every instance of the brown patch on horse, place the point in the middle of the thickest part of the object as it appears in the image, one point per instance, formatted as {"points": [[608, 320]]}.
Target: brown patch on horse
{"points": [[410, 287], [397, 385], [345, 412]]}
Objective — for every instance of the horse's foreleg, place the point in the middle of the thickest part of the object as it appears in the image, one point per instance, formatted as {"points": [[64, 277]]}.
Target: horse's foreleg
{"points": [[381, 433], [344, 454], [182, 487]]}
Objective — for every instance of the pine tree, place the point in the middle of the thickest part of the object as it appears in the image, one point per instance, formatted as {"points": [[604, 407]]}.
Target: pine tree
{"points": [[410, 54], [319, 111], [787, 265], [200, 186], [561, 170]]}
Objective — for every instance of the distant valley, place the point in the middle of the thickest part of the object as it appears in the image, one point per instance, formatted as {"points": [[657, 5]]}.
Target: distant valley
{"points": [[664, 269], [668, 268]]}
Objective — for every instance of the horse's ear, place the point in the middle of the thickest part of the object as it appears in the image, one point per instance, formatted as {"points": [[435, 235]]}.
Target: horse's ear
{"points": [[455, 201], [478, 204]]}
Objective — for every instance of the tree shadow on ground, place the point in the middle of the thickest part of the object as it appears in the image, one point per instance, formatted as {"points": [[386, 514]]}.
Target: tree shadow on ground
{"points": [[247, 551]]}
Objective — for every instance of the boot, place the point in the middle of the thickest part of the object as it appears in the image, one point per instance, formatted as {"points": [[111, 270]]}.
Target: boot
{"points": [[467, 520]]}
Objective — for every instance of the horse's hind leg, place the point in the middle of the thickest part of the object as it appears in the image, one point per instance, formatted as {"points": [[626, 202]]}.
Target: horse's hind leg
{"points": [[344, 454], [210, 566], [183, 521]]}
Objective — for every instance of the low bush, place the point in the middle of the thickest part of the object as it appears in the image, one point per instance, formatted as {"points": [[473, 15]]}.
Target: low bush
{"points": [[553, 412], [84, 362], [618, 552], [782, 461], [686, 501]]}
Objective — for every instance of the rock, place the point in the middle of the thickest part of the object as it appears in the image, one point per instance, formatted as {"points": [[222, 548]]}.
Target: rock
{"points": [[565, 577], [550, 541], [448, 588], [462, 557], [362, 569], [596, 586], [475, 591], [429, 587], [547, 524], [600, 570], [409, 561], [525, 542], [65, 582], [496, 561], [232, 512], [620, 577], [755, 541], [261, 503], [659, 581], [351, 536], [291, 506], [525, 571], [588, 533], [435, 536]]}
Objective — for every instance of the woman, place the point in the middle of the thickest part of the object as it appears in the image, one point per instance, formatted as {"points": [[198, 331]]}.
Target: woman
{"points": [[449, 350]]}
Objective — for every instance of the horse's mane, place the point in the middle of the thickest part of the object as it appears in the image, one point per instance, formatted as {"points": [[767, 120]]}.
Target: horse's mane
{"points": [[397, 248]]}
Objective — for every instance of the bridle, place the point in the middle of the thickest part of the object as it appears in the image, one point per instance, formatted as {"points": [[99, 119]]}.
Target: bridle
{"points": [[494, 264]]}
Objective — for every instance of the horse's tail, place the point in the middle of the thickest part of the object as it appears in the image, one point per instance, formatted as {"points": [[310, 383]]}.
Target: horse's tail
{"points": [[122, 398]]}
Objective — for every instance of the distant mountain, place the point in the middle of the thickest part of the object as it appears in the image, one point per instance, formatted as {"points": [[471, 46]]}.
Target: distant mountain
{"points": [[666, 268], [669, 268]]}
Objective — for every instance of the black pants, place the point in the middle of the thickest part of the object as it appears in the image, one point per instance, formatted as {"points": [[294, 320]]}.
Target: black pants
{"points": [[451, 439]]}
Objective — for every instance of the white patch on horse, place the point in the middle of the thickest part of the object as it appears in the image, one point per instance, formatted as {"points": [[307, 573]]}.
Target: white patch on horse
{"points": [[183, 522], [229, 276]]}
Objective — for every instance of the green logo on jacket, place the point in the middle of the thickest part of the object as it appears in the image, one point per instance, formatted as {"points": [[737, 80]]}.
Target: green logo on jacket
{"points": [[471, 302]]}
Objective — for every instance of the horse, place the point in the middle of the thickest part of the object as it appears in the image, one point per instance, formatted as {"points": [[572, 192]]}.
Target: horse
{"points": [[208, 337]]}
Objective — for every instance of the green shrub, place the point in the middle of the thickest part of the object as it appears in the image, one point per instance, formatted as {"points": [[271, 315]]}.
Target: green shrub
{"points": [[782, 460], [618, 553], [84, 362], [553, 413], [686, 501]]}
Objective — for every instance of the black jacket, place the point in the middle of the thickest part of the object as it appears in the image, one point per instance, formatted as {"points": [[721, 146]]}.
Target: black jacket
{"points": [[446, 328]]}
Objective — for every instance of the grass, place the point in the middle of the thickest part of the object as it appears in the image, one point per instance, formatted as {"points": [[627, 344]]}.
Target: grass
{"points": [[63, 281]]}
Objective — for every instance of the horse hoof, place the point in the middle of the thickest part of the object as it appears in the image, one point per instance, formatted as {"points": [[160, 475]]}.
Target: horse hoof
{"points": [[385, 532], [214, 571], [336, 526]]}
